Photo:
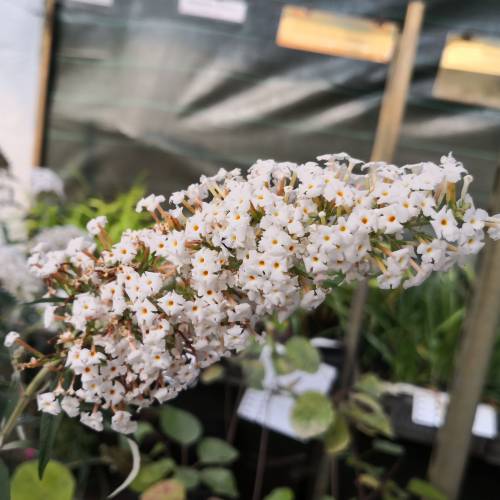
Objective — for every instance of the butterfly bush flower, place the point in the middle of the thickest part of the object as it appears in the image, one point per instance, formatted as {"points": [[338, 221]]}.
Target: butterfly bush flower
{"points": [[140, 318]]}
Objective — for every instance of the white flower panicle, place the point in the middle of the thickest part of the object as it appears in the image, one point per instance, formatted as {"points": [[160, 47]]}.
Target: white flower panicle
{"points": [[140, 318]]}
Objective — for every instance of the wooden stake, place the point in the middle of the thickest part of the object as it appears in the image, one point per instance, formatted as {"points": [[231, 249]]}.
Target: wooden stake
{"points": [[451, 449], [386, 138], [396, 91], [43, 83]]}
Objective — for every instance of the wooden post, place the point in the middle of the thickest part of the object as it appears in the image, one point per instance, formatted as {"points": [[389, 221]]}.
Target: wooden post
{"points": [[43, 82], [396, 91], [386, 138], [451, 449]]}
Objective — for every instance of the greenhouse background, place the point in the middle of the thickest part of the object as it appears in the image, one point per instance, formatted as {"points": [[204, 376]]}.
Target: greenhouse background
{"points": [[119, 98]]}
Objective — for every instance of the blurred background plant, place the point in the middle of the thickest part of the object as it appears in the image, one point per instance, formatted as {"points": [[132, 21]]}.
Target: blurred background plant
{"points": [[49, 213]]}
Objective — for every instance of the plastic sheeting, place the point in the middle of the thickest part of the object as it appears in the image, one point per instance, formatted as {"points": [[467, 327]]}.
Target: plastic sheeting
{"points": [[20, 39], [139, 89]]}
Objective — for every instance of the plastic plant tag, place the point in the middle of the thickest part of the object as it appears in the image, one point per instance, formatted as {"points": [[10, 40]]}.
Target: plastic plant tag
{"points": [[231, 11], [272, 406], [429, 409], [336, 35], [469, 71]]}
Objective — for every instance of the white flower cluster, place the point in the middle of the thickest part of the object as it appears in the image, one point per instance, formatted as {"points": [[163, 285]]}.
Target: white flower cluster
{"points": [[57, 237], [141, 317], [15, 276]]}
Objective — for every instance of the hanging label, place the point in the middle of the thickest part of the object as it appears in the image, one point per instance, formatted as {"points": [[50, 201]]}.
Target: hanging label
{"points": [[469, 71], [231, 11], [337, 35]]}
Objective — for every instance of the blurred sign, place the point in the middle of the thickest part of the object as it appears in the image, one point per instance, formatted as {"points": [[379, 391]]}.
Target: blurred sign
{"points": [[469, 71], [429, 409], [337, 35], [232, 11]]}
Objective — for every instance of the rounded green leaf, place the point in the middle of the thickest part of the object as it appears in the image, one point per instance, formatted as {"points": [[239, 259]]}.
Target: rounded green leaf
{"points": [[421, 488], [143, 429], [312, 414], [338, 436], [282, 365], [57, 483], [302, 354], [216, 451], [180, 425], [254, 372], [151, 473], [221, 481], [188, 476], [370, 384], [166, 490], [280, 494]]}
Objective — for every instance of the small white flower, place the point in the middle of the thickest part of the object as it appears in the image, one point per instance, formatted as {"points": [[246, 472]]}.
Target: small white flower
{"points": [[10, 339], [48, 403], [96, 225], [71, 406], [150, 203], [121, 422], [93, 420], [445, 225]]}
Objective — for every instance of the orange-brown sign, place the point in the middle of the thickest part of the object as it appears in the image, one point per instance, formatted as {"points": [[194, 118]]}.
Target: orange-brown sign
{"points": [[469, 71], [337, 35]]}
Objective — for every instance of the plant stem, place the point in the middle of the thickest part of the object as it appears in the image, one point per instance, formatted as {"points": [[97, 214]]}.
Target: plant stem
{"points": [[261, 464], [29, 392]]}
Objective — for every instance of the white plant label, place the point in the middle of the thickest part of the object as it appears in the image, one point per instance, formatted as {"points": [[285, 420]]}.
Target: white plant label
{"points": [[270, 407], [231, 11], [429, 409]]}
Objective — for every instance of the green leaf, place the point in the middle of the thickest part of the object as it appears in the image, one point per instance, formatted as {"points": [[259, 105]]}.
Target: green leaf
{"points": [[151, 473], [338, 436], [166, 490], [302, 354], [371, 385], [188, 476], [180, 425], [45, 300], [158, 449], [421, 488], [254, 373], [282, 365], [370, 423], [368, 415], [369, 481], [388, 447], [212, 374], [143, 429], [221, 481], [312, 414], [57, 482], [4, 481], [49, 425], [216, 451], [280, 494]]}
